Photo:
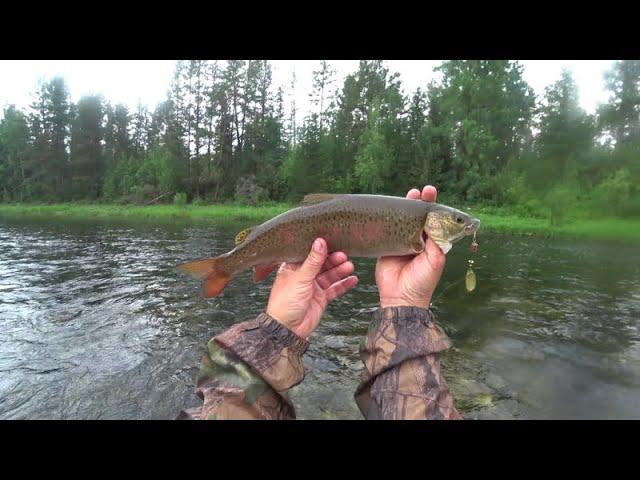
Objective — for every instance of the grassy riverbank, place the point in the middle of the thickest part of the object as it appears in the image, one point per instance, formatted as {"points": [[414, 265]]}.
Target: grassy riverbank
{"points": [[627, 230], [202, 213]]}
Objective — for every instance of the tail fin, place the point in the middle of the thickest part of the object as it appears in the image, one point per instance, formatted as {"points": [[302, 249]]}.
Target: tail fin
{"points": [[209, 270]]}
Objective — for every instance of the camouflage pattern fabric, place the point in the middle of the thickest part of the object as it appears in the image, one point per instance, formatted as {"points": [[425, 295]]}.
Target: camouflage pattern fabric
{"points": [[247, 370], [402, 378]]}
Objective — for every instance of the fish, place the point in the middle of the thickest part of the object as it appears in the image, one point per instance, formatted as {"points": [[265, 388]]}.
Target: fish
{"points": [[359, 225]]}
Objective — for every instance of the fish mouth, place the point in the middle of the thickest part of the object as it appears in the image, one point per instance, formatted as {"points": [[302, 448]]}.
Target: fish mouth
{"points": [[472, 227]]}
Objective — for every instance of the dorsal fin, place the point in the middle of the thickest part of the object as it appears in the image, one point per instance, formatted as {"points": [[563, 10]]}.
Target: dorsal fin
{"points": [[314, 198], [241, 236]]}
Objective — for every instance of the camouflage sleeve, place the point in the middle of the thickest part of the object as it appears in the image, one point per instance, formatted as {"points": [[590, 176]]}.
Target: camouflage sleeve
{"points": [[402, 378], [247, 370]]}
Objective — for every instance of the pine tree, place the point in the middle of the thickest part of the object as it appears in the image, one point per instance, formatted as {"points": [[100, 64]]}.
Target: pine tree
{"points": [[322, 83], [87, 168], [59, 111], [14, 150], [292, 134], [370, 88], [620, 118], [140, 128], [566, 131], [234, 77], [50, 128], [487, 109]]}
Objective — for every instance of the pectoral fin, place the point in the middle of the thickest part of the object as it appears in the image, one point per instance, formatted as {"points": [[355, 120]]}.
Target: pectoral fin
{"points": [[260, 272], [417, 242], [444, 245]]}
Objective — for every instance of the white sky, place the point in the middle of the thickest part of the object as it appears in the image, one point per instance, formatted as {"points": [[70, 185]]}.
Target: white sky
{"points": [[147, 81]]}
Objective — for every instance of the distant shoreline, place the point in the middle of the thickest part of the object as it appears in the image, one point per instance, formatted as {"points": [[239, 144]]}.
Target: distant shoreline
{"points": [[617, 229]]}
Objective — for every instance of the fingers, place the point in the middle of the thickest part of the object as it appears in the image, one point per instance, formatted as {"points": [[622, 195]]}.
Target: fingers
{"points": [[413, 194], [333, 260], [336, 258], [429, 193], [328, 278], [314, 262], [340, 288], [434, 254]]}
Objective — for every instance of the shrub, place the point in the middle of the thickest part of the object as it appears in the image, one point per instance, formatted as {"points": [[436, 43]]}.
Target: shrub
{"points": [[180, 198], [614, 195], [248, 191], [560, 200]]}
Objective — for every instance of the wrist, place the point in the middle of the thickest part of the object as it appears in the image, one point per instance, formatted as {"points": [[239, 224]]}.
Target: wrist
{"points": [[404, 302], [277, 316], [282, 320], [412, 327]]}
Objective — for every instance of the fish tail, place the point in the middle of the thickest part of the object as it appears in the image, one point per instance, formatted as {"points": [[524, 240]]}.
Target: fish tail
{"points": [[212, 271]]}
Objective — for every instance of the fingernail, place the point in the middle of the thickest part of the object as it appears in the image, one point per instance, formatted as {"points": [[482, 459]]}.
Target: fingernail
{"points": [[317, 245]]}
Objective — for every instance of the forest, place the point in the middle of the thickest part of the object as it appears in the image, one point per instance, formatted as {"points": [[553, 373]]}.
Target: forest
{"points": [[479, 134]]}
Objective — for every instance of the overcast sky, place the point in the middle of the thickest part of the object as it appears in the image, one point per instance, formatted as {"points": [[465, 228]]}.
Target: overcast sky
{"points": [[147, 81]]}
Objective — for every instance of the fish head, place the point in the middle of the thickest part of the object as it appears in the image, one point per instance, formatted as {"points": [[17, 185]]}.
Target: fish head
{"points": [[446, 225]]}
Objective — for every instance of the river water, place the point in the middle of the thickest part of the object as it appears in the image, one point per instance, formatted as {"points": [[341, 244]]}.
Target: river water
{"points": [[95, 323]]}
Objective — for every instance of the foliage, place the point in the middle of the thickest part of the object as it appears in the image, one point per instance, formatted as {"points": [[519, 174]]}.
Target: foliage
{"points": [[224, 134], [248, 191], [180, 198]]}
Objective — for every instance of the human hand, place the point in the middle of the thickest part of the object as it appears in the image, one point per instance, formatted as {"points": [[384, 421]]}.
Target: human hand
{"points": [[301, 291], [411, 280]]}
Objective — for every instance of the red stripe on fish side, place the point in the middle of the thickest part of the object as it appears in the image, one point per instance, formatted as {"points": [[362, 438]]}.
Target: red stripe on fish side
{"points": [[288, 238], [374, 230], [357, 233], [330, 234]]}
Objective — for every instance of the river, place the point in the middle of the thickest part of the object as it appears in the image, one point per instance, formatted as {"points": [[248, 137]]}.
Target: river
{"points": [[96, 323]]}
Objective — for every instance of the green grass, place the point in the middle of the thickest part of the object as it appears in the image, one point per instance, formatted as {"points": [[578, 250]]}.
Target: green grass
{"points": [[493, 220], [198, 213], [623, 230]]}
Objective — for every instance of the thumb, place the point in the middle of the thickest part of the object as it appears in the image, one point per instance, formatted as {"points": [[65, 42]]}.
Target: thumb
{"points": [[314, 261], [434, 255]]}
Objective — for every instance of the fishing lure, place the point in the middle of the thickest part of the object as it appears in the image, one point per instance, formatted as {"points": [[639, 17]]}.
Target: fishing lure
{"points": [[470, 280], [474, 244]]}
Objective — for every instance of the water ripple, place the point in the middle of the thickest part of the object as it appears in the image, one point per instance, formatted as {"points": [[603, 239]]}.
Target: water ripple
{"points": [[95, 322]]}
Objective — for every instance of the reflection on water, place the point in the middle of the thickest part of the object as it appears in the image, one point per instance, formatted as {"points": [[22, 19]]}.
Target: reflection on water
{"points": [[95, 322]]}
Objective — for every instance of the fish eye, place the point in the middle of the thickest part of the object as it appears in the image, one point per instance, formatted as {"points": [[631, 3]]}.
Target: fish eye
{"points": [[459, 220]]}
